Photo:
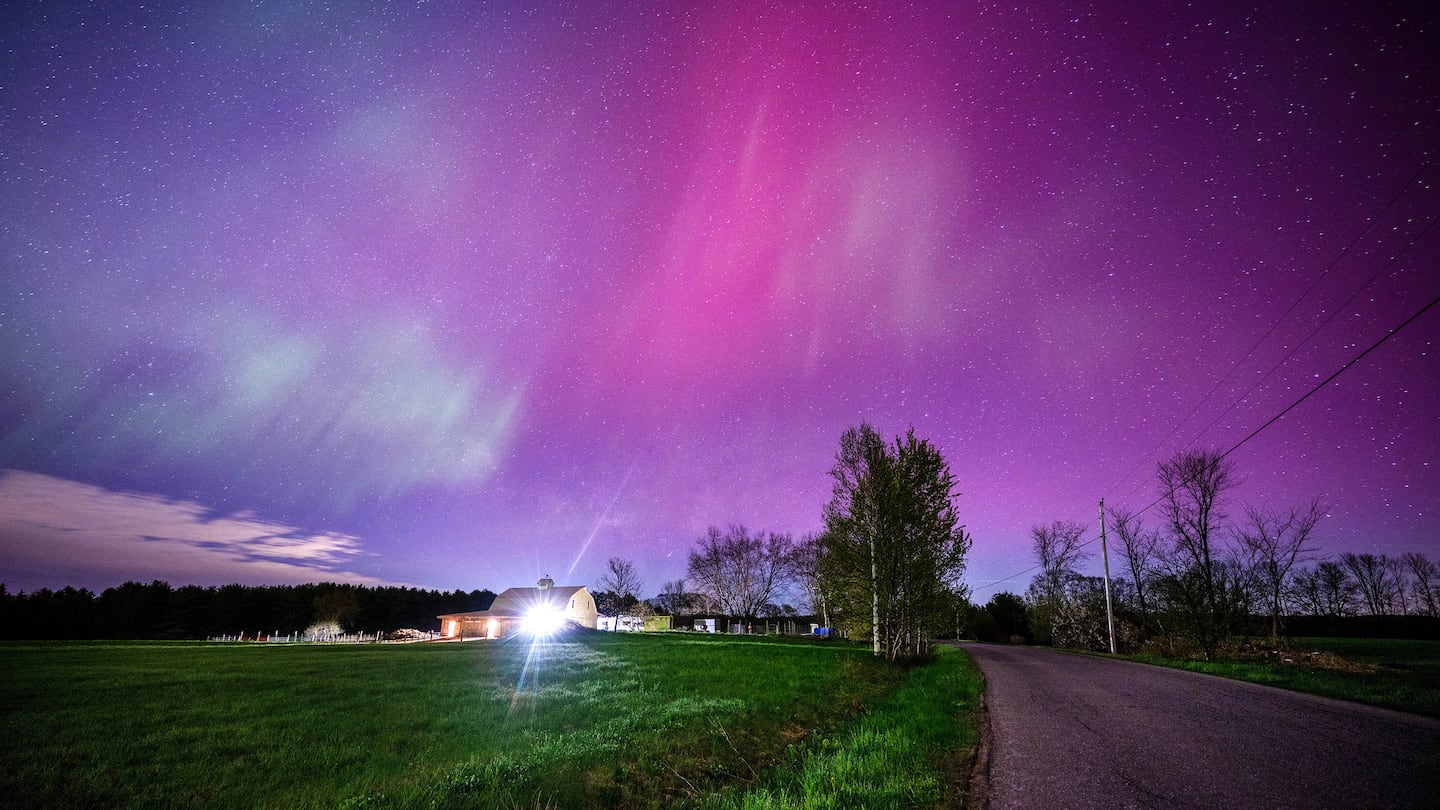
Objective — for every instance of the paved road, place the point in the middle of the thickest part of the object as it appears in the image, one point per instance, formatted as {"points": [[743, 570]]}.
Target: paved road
{"points": [[1080, 731]]}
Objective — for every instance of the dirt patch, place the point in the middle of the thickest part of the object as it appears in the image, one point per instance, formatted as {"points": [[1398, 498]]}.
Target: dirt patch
{"points": [[977, 793], [1314, 659], [1261, 651], [1283, 655]]}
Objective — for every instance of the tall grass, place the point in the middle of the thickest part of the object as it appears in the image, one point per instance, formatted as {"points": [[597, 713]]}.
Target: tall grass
{"points": [[601, 720]]}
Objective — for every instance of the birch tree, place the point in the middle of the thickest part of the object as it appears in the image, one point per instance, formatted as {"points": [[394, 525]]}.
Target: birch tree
{"points": [[893, 544]]}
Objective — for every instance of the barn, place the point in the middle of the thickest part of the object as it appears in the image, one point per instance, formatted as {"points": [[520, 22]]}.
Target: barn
{"points": [[542, 610]]}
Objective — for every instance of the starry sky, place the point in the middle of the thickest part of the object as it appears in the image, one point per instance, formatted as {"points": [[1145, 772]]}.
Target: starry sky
{"points": [[456, 294]]}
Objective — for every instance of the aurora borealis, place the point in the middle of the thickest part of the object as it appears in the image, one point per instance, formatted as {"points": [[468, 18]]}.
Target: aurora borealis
{"points": [[456, 294]]}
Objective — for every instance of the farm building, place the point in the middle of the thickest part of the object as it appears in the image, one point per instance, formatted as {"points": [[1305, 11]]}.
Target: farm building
{"points": [[633, 624], [542, 609], [781, 626]]}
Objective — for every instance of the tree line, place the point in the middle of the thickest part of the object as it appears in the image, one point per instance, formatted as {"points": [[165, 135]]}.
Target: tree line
{"points": [[157, 610], [1200, 575]]}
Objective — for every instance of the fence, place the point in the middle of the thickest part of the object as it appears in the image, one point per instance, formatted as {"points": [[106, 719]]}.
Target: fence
{"points": [[299, 637]]}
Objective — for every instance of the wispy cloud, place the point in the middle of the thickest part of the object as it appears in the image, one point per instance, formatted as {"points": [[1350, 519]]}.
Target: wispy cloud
{"points": [[56, 532]]}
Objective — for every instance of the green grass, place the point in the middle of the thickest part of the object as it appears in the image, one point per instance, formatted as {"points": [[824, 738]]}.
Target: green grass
{"points": [[1401, 674], [910, 752], [603, 720]]}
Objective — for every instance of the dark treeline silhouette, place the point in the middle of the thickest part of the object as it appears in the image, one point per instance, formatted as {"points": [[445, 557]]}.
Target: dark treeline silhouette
{"points": [[159, 611], [1407, 627]]}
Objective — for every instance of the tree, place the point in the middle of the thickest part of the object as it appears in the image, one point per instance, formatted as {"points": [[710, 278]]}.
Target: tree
{"points": [[673, 598], [893, 544], [1009, 615], [741, 572], [156, 610], [1205, 589], [336, 606], [1375, 581], [809, 576], [621, 578], [613, 603], [1424, 583], [1305, 594], [1141, 550], [1059, 548], [1276, 542], [1080, 620], [1399, 576], [856, 527], [1337, 589]]}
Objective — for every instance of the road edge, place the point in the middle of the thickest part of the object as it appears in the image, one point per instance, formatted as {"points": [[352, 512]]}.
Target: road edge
{"points": [[977, 794]]}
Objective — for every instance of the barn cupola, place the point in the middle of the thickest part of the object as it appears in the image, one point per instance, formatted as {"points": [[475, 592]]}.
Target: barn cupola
{"points": [[545, 583]]}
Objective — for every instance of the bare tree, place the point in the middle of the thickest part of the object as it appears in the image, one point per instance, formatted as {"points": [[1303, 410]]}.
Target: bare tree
{"points": [[741, 572], [809, 576], [1275, 543], [621, 578], [1208, 594], [1141, 549], [673, 598], [1337, 589], [1374, 579], [1305, 593], [1424, 583], [1400, 575], [1059, 548]]}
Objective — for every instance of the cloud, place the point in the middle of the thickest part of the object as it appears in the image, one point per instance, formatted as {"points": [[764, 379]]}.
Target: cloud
{"points": [[56, 532]]}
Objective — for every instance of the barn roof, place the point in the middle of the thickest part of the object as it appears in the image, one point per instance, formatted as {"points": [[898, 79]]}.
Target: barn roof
{"points": [[515, 603]]}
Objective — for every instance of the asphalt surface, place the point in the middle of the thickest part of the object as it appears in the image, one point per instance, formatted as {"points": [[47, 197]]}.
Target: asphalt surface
{"points": [[1080, 731]]}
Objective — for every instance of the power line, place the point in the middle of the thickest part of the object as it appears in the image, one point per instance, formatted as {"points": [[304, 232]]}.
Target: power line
{"points": [[1004, 579], [1272, 420], [1292, 406], [1377, 344], [1370, 223], [1388, 264], [1027, 570]]}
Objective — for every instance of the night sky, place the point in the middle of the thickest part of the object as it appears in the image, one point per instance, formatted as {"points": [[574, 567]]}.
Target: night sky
{"points": [[454, 294]]}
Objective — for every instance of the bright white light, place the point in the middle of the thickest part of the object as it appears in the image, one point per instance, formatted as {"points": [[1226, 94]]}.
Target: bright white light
{"points": [[543, 620]]}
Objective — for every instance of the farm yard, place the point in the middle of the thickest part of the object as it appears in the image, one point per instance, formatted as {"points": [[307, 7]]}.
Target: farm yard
{"points": [[637, 720]]}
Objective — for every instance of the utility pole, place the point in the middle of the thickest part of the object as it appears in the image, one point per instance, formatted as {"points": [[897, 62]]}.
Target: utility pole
{"points": [[1105, 552]]}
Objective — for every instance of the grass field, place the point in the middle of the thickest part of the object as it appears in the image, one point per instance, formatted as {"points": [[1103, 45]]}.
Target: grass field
{"points": [[601, 720], [1394, 674]]}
